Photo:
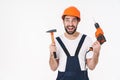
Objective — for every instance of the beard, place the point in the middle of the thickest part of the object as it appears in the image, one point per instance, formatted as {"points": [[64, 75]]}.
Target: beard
{"points": [[70, 29]]}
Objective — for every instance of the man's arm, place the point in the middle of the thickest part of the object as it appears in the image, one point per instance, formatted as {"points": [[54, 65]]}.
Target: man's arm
{"points": [[92, 62], [52, 61]]}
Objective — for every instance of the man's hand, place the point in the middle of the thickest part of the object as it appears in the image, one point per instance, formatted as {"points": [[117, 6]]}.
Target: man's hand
{"points": [[96, 47], [52, 61], [52, 48], [92, 62]]}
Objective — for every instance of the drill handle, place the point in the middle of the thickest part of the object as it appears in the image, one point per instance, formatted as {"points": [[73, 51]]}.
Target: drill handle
{"points": [[101, 38]]}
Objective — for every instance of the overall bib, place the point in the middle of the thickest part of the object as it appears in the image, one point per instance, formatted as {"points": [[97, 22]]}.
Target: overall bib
{"points": [[73, 69]]}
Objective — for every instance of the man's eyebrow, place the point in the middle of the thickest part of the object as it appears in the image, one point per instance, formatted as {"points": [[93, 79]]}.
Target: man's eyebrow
{"points": [[67, 18]]}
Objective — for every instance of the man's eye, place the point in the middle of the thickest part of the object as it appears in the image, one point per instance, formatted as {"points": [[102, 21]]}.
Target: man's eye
{"points": [[67, 20], [74, 20]]}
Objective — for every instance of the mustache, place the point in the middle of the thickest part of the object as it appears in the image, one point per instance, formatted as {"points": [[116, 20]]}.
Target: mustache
{"points": [[70, 26]]}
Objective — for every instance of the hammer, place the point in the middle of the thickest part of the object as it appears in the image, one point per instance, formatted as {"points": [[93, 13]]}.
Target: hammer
{"points": [[52, 39]]}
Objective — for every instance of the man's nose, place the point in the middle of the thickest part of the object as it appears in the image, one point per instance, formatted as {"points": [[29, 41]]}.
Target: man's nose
{"points": [[71, 23]]}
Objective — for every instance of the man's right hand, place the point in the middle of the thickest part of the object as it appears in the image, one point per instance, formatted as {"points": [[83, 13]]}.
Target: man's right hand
{"points": [[53, 62], [52, 48]]}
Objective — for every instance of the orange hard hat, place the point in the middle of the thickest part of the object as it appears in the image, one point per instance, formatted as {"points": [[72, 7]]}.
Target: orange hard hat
{"points": [[71, 11]]}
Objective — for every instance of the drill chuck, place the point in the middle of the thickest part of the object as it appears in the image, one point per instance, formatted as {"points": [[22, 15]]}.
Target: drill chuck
{"points": [[96, 25]]}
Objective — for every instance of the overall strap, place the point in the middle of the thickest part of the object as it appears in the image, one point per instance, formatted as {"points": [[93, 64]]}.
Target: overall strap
{"points": [[80, 45], [63, 46]]}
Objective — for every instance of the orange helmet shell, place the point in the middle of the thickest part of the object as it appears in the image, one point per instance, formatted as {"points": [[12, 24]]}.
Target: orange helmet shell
{"points": [[71, 11]]}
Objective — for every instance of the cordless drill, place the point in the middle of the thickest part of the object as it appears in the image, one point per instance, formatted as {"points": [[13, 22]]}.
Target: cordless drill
{"points": [[99, 35]]}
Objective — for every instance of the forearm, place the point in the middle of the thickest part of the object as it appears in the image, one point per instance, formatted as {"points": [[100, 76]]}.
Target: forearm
{"points": [[91, 63], [53, 62]]}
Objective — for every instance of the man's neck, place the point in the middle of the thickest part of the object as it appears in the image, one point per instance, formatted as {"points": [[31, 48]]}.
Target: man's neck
{"points": [[72, 36]]}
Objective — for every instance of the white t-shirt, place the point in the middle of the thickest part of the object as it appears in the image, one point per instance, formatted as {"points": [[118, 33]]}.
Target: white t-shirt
{"points": [[71, 46]]}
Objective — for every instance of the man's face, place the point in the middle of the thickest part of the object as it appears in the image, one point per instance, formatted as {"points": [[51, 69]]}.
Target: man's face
{"points": [[70, 24]]}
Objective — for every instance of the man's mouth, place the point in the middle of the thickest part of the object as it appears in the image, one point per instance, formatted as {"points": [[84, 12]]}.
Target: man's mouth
{"points": [[70, 28]]}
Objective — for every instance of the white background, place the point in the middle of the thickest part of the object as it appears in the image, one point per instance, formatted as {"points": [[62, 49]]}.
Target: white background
{"points": [[24, 43]]}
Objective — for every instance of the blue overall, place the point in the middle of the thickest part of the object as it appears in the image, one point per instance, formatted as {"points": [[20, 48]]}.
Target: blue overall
{"points": [[73, 69]]}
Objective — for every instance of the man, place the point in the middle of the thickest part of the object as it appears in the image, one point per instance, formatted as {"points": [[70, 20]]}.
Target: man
{"points": [[72, 49]]}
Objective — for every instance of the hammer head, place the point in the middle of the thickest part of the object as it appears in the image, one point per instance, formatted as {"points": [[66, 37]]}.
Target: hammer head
{"points": [[52, 30]]}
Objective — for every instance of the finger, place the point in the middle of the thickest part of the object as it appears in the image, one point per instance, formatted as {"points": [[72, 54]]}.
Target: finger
{"points": [[96, 42], [53, 44]]}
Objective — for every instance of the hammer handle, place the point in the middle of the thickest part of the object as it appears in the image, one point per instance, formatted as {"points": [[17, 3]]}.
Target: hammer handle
{"points": [[54, 53], [52, 38]]}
